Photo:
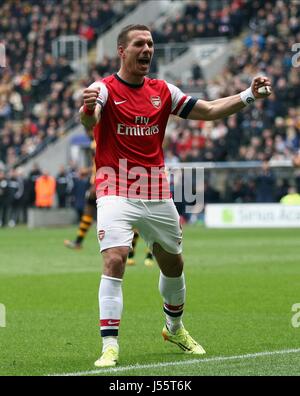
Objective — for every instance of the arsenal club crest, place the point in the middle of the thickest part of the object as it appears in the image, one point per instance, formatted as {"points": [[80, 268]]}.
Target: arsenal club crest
{"points": [[155, 100], [101, 234]]}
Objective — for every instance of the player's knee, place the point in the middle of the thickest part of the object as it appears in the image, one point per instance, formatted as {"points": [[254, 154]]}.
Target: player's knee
{"points": [[177, 267], [171, 265], [114, 260], [114, 264]]}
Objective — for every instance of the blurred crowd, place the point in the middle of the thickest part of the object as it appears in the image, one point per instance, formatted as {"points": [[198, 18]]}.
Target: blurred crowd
{"points": [[39, 95], [37, 92], [200, 19], [269, 128]]}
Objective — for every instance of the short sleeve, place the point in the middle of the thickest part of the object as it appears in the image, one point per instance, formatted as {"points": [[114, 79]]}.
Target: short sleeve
{"points": [[182, 104], [103, 94]]}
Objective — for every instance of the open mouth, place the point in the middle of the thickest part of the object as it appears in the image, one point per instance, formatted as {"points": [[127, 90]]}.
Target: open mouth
{"points": [[144, 61]]}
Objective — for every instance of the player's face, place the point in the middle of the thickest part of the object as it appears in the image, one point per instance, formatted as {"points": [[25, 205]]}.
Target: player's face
{"points": [[138, 53]]}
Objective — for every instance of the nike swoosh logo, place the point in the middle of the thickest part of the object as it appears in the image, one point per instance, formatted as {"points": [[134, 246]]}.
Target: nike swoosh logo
{"points": [[111, 323], [122, 101]]}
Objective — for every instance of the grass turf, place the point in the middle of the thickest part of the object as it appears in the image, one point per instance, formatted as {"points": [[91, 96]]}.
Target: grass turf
{"points": [[241, 285]]}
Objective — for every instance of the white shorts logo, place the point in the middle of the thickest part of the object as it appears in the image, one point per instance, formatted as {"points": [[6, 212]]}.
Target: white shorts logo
{"points": [[101, 234]]}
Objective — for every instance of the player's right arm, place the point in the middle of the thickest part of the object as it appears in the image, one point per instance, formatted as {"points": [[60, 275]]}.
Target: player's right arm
{"points": [[90, 112], [94, 100]]}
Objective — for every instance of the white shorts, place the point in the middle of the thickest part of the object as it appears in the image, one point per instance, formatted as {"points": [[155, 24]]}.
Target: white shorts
{"points": [[156, 221]]}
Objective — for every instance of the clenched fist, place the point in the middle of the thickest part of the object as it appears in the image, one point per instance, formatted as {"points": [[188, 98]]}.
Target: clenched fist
{"points": [[90, 96], [257, 84]]}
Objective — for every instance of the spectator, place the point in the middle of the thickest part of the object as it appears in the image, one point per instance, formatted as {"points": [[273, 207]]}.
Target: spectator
{"points": [[238, 191], [81, 186], [30, 183], [281, 189], [22, 198], [250, 195], [292, 197], [197, 73], [211, 195], [64, 186], [15, 196], [45, 187], [265, 184]]}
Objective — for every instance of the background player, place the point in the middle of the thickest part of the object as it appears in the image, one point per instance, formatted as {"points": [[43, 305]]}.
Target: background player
{"points": [[89, 210]]}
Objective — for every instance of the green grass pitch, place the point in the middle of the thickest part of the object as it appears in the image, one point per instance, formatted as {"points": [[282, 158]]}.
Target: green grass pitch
{"points": [[241, 285]]}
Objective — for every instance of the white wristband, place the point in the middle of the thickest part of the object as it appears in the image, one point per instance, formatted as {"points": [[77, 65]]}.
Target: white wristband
{"points": [[247, 96]]}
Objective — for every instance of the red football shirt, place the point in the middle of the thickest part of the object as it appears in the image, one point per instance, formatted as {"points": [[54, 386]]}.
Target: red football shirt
{"points": [[129, 156]]}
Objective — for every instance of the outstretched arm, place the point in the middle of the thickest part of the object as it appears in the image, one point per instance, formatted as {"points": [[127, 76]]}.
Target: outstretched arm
{"points": [[224, 107]]}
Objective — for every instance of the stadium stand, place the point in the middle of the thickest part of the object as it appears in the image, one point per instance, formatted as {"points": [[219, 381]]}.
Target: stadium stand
{"points": [[268, 129], [204, 19], [32, 73], [39, 95], [36, 90]]}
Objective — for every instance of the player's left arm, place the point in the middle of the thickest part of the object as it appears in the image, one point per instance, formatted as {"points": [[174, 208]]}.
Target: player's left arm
{"points": [[224, 107]]}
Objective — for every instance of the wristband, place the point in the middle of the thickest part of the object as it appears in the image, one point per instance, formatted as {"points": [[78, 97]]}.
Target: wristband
{"points": [[88, 111], [247, 96]]}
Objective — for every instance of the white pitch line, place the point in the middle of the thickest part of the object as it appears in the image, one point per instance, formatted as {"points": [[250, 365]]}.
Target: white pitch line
{"points": [[178, 363]]}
